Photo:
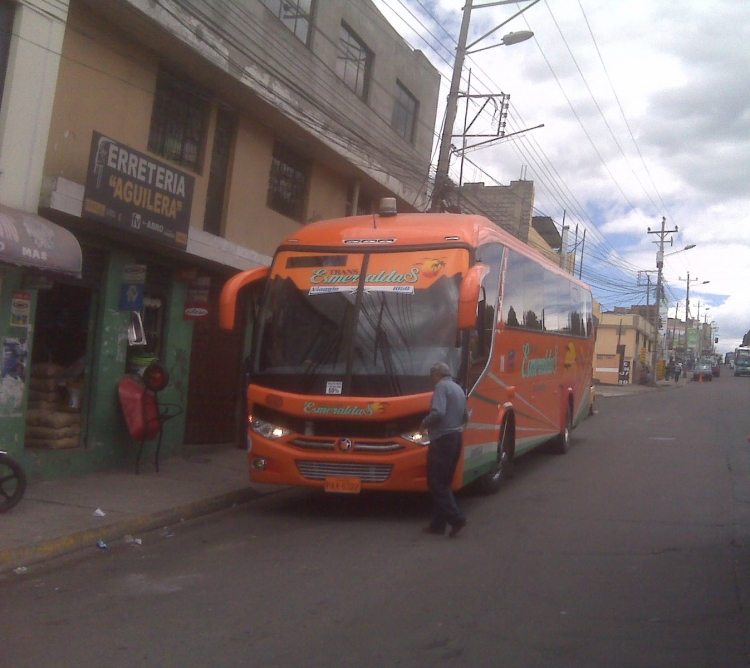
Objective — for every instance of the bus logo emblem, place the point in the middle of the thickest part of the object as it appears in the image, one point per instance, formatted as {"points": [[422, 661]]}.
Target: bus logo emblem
{"points": [[345, 444]]}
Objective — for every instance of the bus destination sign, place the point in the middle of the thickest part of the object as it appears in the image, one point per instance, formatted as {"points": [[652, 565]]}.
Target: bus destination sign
{"points": [[134, 192]]}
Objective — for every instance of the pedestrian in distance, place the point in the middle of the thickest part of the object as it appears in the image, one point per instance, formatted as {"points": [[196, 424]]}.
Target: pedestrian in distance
{"points": [[677, 371], [444, 424]]}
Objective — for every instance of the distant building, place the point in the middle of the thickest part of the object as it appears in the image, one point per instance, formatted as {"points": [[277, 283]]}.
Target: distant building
{"points": [[511, 207], [623, 348]]}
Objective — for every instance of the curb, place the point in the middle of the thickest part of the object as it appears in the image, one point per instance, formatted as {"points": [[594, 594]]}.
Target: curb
{"points": [[47, 549], [642, 389]]}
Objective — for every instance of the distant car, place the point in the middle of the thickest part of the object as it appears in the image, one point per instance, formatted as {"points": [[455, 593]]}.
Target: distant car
{"points": [[704, 369]]}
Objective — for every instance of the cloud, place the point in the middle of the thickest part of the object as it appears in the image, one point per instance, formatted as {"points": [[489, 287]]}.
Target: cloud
{"points": [[680, 76]]}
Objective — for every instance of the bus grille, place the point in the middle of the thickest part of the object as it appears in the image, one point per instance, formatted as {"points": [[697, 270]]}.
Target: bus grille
{"points": [[365, 472], [310, 444], [314, 444]]}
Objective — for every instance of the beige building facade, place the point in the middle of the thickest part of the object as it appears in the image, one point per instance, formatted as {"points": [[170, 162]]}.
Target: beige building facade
{"points": [[179, 142], [622, 350]]}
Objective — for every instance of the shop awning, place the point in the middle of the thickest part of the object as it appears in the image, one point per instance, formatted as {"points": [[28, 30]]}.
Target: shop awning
{"points": [[32, 241]]}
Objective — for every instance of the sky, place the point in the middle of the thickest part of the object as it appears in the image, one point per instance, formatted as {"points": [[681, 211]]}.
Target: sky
{"points": [[646, 114]]}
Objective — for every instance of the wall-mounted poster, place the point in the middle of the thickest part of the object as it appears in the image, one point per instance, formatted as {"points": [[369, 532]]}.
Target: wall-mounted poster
{"points": [[196, 300], [132, 287], [20, 309], [13, 376]]}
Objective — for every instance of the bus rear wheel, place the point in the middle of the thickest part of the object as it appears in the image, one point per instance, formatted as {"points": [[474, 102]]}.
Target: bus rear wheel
{"points": [[561, 444], [490, 482]]}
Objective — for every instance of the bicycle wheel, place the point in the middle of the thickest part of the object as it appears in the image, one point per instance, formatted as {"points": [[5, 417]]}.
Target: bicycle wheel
{"points": [[12, 482]]}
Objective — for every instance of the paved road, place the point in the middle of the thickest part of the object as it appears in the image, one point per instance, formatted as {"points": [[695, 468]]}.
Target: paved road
{"points": [[632, 550]]}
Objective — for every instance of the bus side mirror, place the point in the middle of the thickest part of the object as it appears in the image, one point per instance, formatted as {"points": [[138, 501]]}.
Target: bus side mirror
{"points": [[228, 299], [136, 332], [468, 296]]}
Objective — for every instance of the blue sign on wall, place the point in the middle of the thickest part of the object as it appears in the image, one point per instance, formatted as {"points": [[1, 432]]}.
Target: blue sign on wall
{"points": [[131, 297]]}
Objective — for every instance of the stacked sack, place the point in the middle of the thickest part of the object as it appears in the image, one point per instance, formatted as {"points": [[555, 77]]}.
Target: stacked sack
{"points": [[50, 423]]}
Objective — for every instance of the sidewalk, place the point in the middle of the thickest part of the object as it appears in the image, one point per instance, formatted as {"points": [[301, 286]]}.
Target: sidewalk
{"points": [[58, 517], [607, 391]]}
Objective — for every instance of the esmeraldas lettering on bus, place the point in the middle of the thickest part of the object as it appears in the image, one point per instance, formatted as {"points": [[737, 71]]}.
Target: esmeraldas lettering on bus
{"points": [[142, 169]]}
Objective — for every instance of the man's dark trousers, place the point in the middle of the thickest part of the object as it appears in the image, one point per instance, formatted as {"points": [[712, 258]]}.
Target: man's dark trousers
{"points": [[442, 459]]}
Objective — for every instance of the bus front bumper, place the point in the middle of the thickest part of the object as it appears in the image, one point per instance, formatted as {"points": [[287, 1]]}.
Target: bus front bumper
{"points": [[274, 463]]}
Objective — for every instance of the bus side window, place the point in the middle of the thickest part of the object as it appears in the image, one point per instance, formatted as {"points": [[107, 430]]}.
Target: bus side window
{"points": [[480, 341], [513, 302]]}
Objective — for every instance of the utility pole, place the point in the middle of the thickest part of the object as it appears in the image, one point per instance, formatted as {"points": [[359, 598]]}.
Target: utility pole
{"points": [[583, 245], [687, 305], [687, 297], [648, 272], [674, 328], [451, 109], [441, 174], [662, 234]]}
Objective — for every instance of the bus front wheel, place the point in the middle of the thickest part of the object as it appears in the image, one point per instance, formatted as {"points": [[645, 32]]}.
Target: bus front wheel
{"points": [[490, 482], [561, 444]]}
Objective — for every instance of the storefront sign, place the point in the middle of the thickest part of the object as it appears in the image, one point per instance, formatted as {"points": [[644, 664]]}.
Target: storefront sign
{"points": [[196, 300], [33, 281], [625, 373], [134, 192], [20, 309], [132, 287], [186, 275]]}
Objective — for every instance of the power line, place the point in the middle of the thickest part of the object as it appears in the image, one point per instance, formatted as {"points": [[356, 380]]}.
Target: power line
{"points": [[622, 111]]}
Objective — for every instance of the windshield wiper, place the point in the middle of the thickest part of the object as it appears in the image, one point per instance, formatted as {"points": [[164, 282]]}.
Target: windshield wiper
{"points": [[383, 342]]}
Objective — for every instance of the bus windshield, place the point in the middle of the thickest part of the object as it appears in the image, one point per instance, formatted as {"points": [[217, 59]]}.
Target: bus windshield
{"points": [[742, 354], [359, 324]]}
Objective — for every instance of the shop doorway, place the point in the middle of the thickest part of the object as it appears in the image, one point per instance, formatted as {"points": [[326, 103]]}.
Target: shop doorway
{"points": [[59, 362], [214, 406]]}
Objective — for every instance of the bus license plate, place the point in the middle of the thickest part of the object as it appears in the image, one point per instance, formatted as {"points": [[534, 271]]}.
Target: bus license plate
{"points": [[343, 485]]}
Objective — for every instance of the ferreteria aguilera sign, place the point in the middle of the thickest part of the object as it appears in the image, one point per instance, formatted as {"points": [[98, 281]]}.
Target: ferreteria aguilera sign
{"points": [[133, 192]]}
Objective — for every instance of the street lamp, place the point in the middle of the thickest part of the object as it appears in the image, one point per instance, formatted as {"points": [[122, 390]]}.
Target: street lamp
{"points": [[688, 247], [441, 173]]}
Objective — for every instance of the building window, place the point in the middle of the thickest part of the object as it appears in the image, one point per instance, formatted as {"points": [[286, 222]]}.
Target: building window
{"points": [[226, 126], [287, 186], [294, 14], [7, 9], [353, 62], [178, 122], [405, 108]]}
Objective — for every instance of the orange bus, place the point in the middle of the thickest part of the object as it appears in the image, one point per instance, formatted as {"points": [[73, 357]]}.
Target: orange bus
{"points": [[354, 313]]}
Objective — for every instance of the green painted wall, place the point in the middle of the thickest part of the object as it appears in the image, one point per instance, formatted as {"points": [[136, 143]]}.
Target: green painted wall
{"points": [[106, 443], [179, 342], [109, 443], [13, 392]]}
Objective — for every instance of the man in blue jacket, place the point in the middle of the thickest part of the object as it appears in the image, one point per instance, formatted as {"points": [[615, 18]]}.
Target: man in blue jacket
{"points": [[444, 423]]}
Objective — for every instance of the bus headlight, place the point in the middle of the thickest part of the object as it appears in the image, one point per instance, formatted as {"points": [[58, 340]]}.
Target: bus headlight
{"points": [[418, 437], [268, 430]]}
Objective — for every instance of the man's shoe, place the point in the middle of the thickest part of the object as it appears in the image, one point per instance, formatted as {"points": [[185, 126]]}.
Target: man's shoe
{"points": [[433, 530], [456, 528]]}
